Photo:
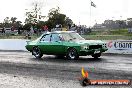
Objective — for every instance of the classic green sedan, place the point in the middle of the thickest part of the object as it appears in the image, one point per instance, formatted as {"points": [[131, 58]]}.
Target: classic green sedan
{"points": [[65, 43]]}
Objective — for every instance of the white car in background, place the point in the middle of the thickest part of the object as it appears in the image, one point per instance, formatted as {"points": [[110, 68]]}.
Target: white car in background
{"points": [[9, 31]]}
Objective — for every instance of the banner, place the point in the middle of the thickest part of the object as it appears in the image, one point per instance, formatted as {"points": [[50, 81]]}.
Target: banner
{"points": [[120, 46]]}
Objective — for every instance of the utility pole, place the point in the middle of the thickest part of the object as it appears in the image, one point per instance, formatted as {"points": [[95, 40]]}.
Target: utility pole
{"points": [[91, 5], [90, 15]]}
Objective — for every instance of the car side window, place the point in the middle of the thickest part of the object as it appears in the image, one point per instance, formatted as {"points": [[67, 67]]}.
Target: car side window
{"points": [[66, 37], [55, 37], [46, 38]]}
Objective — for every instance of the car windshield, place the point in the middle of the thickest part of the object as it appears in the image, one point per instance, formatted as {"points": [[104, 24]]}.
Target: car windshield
{"points": [[72, 36]]}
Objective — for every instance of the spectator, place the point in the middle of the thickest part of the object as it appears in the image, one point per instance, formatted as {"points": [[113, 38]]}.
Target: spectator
{"points": [[3, 31], [45, 28], [12, 28]]}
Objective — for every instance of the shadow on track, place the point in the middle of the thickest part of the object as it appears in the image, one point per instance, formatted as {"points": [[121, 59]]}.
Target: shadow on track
{"points": [[55, 59]]}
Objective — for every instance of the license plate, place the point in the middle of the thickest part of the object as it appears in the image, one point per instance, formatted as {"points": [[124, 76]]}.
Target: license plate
{"points": [[96, 52]]}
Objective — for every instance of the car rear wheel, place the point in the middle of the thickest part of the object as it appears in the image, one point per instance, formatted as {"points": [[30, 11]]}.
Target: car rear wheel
{"points": [[37, 52], [96, 56], [72, 54]]}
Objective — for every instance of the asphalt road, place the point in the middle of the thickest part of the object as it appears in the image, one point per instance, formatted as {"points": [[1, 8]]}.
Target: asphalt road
{"points": [[22, 70]]}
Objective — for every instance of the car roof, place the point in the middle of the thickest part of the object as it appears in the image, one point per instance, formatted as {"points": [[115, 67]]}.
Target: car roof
{"points": [[63, 31], [60, 32]]}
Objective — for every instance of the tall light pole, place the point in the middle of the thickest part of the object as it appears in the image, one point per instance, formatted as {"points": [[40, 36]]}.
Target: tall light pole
{"points": [[90, 14], [91, 5]]}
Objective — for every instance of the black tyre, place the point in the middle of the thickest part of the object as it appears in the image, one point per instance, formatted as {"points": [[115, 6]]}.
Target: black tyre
{"points": [[37, 52], [72, 54], [96, 56]]}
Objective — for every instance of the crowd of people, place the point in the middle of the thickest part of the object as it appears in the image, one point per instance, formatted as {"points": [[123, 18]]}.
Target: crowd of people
{"points": [[78, 29], [32, 30]]}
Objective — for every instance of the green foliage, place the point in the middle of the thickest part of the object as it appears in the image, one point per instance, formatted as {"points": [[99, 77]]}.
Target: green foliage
{"points": [[27, 27], [110, 32], [113, 34], [107, 37], [119, 32], [9, 22], [13, 19], [55, 17]]}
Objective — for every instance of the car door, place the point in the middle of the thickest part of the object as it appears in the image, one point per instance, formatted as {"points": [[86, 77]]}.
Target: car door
{"points": [[44, 43], [56, 44]]}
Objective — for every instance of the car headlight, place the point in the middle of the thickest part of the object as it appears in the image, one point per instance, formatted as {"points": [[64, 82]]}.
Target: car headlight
{"points": [[84, 47]]}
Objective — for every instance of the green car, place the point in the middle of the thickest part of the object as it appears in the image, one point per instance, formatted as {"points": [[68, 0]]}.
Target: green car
{"points": [[65, 43]]}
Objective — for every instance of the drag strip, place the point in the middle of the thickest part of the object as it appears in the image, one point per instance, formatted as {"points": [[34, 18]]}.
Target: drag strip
{"points": [[23, 64]]}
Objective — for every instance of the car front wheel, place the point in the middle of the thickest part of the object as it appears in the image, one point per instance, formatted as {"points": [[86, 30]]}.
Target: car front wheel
{"points": [[72, 54], [37, 52]]}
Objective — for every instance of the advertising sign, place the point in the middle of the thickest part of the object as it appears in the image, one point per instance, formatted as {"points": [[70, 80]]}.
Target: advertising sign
{"points": [[120, 46]]}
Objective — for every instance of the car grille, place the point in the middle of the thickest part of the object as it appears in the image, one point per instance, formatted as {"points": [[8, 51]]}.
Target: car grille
{"points": [[95, 46]]}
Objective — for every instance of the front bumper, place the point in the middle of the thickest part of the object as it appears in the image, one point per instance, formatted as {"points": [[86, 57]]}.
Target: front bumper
{"points": [[92, 51]]}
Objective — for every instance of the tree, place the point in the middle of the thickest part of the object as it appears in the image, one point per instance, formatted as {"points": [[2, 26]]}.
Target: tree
{"points": [[18, 26], [117, 24], [68, 22], [7, 20], [129, 22], [7, 23], [27, 27], [33, 15], [13, 19], [55, 17]]}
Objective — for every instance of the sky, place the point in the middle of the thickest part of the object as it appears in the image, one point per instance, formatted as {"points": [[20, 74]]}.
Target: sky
{"points": [[80, 11]]}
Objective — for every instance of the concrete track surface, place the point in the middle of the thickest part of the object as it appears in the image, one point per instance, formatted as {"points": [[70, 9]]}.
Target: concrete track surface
{"points": [[22, 70]]}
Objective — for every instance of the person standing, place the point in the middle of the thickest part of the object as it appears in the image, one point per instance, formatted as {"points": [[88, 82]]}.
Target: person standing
{"points": [[45, 28], [3, 30]]}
